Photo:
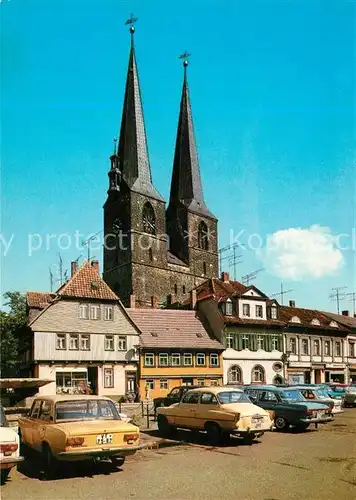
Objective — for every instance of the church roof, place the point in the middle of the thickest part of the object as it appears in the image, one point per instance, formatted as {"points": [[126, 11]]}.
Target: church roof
{"points": [[132, 148], [186, 185]]}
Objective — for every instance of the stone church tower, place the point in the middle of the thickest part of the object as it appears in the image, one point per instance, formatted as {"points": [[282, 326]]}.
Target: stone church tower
{"points": [[151, 255]]}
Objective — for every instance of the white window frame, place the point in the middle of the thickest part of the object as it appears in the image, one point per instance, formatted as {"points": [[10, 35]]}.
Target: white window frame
{"points": [[305, 342], [111, 384], [327, 343], [198, 356], [230, 337], [275, 343], [73, 337], [122, 343], [260, 343], [163, 384], [228, 307], [245, 341], [150, 384], [201, 382], [175, 359], [259, 308], [165, 357], [338, 350], [85, 337], [83, 311], [108, 313], [352, 346], [295, 350], [108, 341], [95, 311], [151, 356], [215, 357], [274, 312], [62, 337], [246, 307], [316, 342], [188, 355]]}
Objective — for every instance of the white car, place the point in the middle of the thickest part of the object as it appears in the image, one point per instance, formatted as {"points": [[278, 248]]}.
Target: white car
{"points": [[9, 447]]}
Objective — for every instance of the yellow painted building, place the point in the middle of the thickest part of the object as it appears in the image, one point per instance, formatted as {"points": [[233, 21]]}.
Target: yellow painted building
{"points": [[175, 349]]}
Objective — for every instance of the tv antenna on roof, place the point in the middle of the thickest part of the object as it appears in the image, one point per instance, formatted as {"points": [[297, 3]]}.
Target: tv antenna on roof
{"points": [[282, 293], [51, 280], [337, 296], [87, 242], [251, 276], [352, 298], [225, 249]]}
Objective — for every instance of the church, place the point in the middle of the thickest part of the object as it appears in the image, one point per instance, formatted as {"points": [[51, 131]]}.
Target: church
{"points": [[153, 254]]}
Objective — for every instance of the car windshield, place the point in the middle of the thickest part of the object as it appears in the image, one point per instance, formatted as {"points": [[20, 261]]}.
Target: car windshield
{"points": [[322, 393], [3, 421], [232, 397], [292, 396], [91, 409]]}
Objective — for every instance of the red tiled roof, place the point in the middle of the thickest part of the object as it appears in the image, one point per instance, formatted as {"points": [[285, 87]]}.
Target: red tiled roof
{"points": [[219, 289], [87, 283], [348, 321], [248, 321], [39, 300], [171, 328], [306, 316]]}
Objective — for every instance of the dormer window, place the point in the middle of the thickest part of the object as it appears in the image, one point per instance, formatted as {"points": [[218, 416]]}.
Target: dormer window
{"points": [[274, 312], [295, 319], [228, 307], [334, 324], [259, 311], [315, 322]]}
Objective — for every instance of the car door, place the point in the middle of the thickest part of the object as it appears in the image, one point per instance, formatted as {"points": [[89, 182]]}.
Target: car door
{"points": [[268, 401], [30, 423], [39, 431], [185, 414], [207, 408]]}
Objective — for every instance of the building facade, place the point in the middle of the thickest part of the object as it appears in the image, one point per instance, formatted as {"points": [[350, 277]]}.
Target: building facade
{"points": [[246, 322], [83, 338], [315, 345], [152, 253], [175, 349]]}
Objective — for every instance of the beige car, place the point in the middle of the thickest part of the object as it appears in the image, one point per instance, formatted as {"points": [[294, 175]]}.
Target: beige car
{"points": [[217, 410]]}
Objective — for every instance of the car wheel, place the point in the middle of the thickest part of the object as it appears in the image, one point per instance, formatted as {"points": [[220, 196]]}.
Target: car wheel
{"points": [[281, 423], [4, 475], [118, 461], [214, 433], [163, 425], [50, 464]]}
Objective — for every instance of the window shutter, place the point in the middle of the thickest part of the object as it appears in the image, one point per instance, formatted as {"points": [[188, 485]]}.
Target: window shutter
{"points": [[253, 342], [238, 341]]}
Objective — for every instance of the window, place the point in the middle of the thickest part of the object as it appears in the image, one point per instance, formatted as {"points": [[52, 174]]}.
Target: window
{"points": [[245, 342], [259, 311], [83, 311], [109, 343], [183, 288], [201, 382], [163, 384], [108, 313], [268, 396], [229, 341], [315, 322], [176, 288], [334, 324], [61, 341], [316, 348], [274, 312], [163, 359], [85, 342], [351, 349], [208, 399], [327, 348], [148, 219], [45, 410], [149, 359], [275, 343], [73, 342], [200, 359], [150, 384], [108, 377], [305, 346], [260, 342], [187, 359], [175, 359], [295, 319], [94, 311], [293, 346], [337, 348], [234, 375], [214, 360], [228, 307], [71, 382], [36, 409], [203, 236], [258, 374], [121, 343], [214, 382], [191, 397], [204, 267], [246, 309]]}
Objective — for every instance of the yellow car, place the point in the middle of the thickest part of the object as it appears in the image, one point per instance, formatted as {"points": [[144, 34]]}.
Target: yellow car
{"points": [[217, 410], [77, 428]]}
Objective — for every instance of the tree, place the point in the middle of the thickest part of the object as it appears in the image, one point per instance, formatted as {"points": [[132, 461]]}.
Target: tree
{"points": [[13, 325]]}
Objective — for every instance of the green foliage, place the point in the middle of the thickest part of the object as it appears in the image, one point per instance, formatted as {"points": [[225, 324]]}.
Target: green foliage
{"points": [[13, 324]]}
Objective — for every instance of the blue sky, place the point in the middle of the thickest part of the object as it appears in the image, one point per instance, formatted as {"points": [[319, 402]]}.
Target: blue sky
{"points": [[272, 86]]}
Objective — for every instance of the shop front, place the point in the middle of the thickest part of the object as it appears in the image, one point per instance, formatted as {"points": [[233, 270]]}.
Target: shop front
{"points": [[352, 374], [298, 375], [335, 373]]}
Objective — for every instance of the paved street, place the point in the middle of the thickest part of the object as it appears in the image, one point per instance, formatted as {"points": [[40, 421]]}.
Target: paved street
{"points": [[312, 465]]}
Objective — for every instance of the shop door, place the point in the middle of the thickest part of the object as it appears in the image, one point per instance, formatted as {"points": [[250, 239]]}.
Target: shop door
{"points": [[317, 376], [93, 379]]}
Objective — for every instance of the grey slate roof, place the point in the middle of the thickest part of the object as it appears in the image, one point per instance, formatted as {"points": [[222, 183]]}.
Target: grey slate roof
{"points": [[132, 148]]}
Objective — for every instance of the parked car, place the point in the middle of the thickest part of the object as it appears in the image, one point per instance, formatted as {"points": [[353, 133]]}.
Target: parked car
{"points": [[9, 447], [335, 391], [320, 394], [72, 428], [172, 397], [288, 406], [350, 396], [217, 410]]}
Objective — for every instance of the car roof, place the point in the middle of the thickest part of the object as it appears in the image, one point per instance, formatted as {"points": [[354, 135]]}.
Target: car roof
{"points": [[63, 397], [272, 387], [216, 390]]}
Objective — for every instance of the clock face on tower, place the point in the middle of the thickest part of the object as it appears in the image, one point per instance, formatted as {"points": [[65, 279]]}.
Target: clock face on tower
{"points": [[148, 219], [116, 226]]}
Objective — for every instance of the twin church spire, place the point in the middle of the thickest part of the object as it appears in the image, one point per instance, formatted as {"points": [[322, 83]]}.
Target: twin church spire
{"points": [[132, 152]]}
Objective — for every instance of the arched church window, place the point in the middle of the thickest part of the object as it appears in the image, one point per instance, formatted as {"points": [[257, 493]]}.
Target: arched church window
{"points": [[203, 236], [148, 219]]}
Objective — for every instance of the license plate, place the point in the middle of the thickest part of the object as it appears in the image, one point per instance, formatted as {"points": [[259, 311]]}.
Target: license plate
{"points": [[257, 423], [104, 439]]}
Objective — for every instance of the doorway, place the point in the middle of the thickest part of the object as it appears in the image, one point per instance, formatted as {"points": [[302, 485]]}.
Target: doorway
{"points": [[317, 376], [93, 379]]}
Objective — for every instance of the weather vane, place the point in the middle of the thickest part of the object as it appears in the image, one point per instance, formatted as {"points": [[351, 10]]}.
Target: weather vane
{"points": [[115, 145], [131, 21], [185, 56]]}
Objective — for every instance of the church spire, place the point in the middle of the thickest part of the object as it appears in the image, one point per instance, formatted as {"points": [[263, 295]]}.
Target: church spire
{"points": [[132, 149], [186, 185]]}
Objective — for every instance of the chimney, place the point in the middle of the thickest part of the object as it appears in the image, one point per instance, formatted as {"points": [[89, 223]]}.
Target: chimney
{"points": [[73, 267], [193, 299], [345, 313], [225, 277], [292, 303], [132, 301], [95, 264], [154, 302]]}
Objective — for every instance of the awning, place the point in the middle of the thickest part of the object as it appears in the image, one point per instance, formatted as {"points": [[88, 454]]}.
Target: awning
{"points": [[23, 383]]}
